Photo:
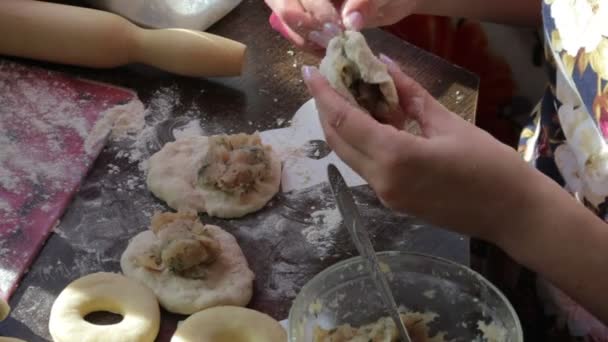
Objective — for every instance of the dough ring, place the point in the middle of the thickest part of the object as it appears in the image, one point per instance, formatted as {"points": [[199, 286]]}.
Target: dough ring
{"points": [[177, 174], [229, 324], [352, 69], [188, 265], [109, 292]]}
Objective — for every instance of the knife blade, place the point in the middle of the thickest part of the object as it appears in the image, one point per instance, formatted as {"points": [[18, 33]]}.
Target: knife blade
{"points": [[358, 232]]}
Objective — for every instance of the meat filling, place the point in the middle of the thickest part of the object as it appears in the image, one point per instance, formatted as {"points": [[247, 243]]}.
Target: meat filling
{"points": [[185, 248], [235, 163], [367, 95]]}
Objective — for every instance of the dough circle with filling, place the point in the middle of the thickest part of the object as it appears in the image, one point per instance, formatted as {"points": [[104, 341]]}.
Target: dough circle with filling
{"points": [[109, 292], [226, 176], [229, 324], [188, 265]]}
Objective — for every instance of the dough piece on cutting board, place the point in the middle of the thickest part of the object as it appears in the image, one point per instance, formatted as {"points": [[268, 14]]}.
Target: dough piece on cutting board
{"points": [[226, 176], [229, 324], [352, 69], [109, 292], [188, 265], [5, 309]]}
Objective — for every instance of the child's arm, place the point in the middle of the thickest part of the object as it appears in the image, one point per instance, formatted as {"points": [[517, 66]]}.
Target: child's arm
{"points": [[519, 12]]}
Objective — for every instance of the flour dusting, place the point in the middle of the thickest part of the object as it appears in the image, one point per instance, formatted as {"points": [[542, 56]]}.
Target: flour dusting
{"points": [[191, 129], [322, 232], [117, 122]]}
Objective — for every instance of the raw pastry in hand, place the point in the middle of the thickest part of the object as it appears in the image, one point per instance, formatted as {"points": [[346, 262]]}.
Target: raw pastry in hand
{"points": [[226, 176], [188, 265], [352, 69]]}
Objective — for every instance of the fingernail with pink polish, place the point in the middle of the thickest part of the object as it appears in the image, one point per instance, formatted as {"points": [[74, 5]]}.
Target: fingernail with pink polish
{"points": [[319, 38], [353, 21], [277, 25], [384, 58], [331, 29], [307, 72]]}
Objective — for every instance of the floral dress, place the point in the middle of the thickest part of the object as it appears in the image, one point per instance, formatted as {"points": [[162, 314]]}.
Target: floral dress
{"points": [[565, 139]]}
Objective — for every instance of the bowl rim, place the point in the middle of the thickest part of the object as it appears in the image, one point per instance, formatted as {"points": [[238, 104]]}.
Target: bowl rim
{"points": [[359, 259]]}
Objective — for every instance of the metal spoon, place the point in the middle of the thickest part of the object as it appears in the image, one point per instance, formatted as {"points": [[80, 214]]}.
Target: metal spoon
{"points": [[360, 237]]}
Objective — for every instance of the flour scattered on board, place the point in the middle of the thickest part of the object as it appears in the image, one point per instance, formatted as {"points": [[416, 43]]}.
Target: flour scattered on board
{"points": [[322, 232], [191, 129], [118, 122]]}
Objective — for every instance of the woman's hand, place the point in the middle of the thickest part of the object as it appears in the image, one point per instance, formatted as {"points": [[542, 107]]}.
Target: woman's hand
{"points": [[454, 175], [457, 176], [310, 24]]}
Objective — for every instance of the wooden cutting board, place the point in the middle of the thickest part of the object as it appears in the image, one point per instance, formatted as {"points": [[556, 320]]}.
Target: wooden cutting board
{"points": [[45, 119]]}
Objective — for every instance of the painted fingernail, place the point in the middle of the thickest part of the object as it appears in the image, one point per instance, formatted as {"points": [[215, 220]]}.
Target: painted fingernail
{"points": [[384, 58], [331, 29], [278, 25], [307, 72], [319, 38], [353, 21]]}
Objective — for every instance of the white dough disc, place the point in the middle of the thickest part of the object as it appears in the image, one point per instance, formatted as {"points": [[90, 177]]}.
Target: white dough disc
{"points": [[229, 324], [173, 174], [109, 292], [229, 281]]}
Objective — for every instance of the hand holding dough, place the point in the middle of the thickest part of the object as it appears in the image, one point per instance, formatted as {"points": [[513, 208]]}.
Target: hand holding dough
{"points": [[352, 69]]}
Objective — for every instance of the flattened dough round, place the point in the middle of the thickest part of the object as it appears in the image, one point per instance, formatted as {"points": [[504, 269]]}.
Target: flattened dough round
{"points": [[173, 177], [109, 292], [229, 324], [229, 280]]}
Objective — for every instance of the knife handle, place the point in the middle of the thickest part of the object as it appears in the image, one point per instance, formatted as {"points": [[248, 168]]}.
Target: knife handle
{"points": [[92, 38]]}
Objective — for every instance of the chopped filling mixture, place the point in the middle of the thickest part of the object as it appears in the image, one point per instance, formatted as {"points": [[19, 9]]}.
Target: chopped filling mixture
{"points": [[367, 95], [235, 163], [383, 330], [185, 246]]}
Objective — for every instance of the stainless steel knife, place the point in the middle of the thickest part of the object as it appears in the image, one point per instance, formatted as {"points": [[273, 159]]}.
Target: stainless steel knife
{"points": [[358, 232]]}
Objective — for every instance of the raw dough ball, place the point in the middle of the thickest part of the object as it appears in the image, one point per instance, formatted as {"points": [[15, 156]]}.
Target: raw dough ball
{"points": [[229, 324], [109, 292], [226, 175], [352, 69], [188, 265]]}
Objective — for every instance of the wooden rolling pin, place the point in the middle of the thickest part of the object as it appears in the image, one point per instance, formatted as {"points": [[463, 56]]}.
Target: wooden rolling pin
{"points": [[92, 38]]}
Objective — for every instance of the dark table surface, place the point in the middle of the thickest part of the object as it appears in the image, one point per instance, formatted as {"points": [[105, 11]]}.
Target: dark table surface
{"points": [[113, 204]]}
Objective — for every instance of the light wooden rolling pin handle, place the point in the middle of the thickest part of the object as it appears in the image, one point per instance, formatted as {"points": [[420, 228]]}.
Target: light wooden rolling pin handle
{"points": [[86, 37]]}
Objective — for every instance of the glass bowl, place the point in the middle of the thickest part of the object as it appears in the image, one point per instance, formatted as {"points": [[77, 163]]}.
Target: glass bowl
{"points": [[466, 305]]}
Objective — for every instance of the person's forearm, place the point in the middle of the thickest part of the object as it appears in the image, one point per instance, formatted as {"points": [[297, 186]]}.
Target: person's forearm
{"points": [[516, 12], [565, 243]]}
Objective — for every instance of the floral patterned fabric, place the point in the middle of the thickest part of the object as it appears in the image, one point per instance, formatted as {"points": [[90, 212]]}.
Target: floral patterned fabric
{"points": [[566, 139]]}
